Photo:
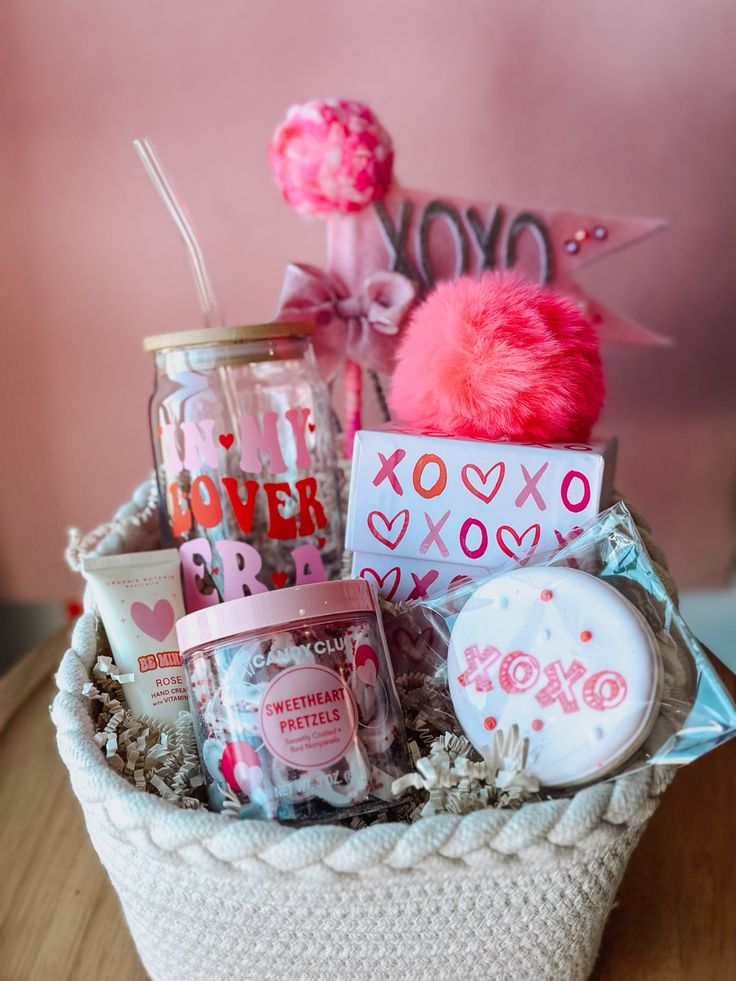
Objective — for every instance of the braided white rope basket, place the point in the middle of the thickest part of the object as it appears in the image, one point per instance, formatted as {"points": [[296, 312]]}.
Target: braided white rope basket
{"points": [[495, 894]]}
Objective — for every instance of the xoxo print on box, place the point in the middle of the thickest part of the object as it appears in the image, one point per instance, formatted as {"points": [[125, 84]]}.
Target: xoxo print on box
{"points": [[426, 501], [398, 578]]}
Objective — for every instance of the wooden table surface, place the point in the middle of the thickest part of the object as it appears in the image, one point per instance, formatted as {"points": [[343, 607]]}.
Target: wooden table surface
{"points": [[675, 918]]}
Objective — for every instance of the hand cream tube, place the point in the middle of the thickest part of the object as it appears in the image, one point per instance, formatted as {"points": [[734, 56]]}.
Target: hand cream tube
{"points": [[139, 599]]}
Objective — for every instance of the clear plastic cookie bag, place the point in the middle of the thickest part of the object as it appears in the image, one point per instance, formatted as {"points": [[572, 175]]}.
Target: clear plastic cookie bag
{"points": [[578, 664]]}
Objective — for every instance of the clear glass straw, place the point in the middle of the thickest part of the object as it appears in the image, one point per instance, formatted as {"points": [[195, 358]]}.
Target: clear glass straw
{"points": [[205, 293]]}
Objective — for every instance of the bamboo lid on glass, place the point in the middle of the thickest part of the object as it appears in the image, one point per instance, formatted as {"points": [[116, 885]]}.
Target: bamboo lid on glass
{"points": [[226, 335]]}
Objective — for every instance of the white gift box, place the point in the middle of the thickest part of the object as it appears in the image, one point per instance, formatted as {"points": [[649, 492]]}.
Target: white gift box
{"points": [[426, 509]]}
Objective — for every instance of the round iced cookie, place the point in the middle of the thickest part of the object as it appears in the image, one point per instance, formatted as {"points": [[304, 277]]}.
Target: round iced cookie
{"points": [[564, 656]]}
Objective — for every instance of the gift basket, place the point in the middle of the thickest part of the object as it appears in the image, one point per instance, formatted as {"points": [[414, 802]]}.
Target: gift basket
{"points": [[434, 754]]}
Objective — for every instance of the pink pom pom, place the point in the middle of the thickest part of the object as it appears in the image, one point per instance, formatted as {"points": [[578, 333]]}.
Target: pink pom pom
{"points": [[331, 155], [497, 358]]}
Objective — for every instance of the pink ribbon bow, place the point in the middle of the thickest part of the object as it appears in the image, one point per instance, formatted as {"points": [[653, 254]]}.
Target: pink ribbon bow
{"points": [[362, 328]]}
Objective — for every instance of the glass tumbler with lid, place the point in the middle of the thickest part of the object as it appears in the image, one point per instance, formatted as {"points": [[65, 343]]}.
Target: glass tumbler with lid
{"points": [[245, 460]]}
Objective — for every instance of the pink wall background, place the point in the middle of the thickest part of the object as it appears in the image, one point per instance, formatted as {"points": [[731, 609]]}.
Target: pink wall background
{"points": [[623, 108]]}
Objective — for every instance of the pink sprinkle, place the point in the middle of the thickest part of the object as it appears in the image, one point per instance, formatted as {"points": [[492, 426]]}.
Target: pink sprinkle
{"points": [[537, 724], [585, 636], [489, 722], [546, 595]]}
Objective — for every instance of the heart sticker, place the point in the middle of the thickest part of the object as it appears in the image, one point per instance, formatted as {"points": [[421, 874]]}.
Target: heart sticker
{"points": [[321, 542], [366, 665], [156, 622], [471, 468], [247, 778], [226, 439], [506, 531], [388, 523], [311, 427], [241, 767], [278, 579], [367, 674]]}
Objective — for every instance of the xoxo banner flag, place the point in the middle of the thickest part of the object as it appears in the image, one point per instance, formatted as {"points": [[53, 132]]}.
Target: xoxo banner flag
{"points": [[427, 238]]}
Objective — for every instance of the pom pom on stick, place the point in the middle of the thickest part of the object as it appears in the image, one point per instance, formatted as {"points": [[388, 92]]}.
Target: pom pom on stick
{"points": [[331, 155]]}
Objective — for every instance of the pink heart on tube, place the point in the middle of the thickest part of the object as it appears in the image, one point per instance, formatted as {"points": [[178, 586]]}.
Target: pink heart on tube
{"points": [[156, 622]]}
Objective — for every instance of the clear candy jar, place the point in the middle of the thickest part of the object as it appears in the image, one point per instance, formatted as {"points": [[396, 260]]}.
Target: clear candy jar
{"points": [[296, 712], [245, 460]]}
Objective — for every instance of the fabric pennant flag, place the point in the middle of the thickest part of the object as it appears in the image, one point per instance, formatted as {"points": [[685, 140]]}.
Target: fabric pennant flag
{"points": [[427, 238]]}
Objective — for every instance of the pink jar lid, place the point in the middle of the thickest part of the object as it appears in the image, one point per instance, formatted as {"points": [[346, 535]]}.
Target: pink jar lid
{"points": [[272, 610]]}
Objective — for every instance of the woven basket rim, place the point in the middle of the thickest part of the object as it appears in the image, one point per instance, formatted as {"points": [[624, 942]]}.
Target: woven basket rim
{"points": [[615, 806]]}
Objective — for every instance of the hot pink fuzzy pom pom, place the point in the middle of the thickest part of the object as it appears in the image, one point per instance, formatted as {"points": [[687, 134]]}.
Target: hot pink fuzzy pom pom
{"points": [[498, 358], [331, 155]]}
